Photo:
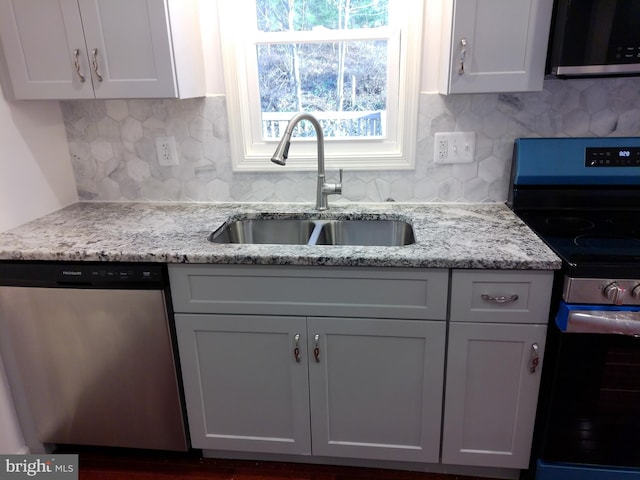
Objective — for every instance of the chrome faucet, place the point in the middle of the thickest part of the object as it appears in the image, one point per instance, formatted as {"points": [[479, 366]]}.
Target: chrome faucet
{"points": [[323, 189]]}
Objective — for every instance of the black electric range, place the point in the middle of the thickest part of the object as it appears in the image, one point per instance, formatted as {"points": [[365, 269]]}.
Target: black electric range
{"points": [[582, 197]]}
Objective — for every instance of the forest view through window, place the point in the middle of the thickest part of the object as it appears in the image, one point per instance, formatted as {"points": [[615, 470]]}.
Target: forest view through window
{"points": [[333, 64], [353, 64]]}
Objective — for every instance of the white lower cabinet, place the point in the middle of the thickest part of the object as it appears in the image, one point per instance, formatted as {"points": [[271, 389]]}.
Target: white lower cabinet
{"points": [[293, 360], [495, 349], [244, 390], [491, 394], [376, 388], [350, 362], [341, 387]]}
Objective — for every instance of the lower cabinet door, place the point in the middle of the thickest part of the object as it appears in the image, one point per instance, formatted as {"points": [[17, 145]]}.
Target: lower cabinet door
{"points": [[376, 388], [491, 393], [246, 385]]}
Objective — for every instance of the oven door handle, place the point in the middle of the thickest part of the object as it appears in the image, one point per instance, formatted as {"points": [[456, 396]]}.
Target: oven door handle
{"points": [[598, 319]]}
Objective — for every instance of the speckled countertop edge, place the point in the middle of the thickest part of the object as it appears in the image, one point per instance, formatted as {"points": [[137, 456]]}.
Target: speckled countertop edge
{"points": [[484, 236]]}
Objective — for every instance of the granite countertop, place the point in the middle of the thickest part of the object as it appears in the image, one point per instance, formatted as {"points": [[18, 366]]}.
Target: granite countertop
{"points": [[447, 236]]}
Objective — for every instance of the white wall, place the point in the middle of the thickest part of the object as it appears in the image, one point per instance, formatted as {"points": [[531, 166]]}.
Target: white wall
{"points": [[36, 178]]}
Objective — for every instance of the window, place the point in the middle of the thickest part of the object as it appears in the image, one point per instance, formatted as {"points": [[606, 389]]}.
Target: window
{"points": [[351, 63]]}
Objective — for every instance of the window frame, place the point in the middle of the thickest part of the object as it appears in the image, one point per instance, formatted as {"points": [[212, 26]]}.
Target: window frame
{"points": [[251, 153]]}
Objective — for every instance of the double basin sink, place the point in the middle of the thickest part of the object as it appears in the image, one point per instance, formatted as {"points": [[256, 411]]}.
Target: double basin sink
{"points": [[308, 231]]}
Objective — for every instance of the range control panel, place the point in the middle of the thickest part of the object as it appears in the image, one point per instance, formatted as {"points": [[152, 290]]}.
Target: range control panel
{"points": [[612, 157], [601, 291]]}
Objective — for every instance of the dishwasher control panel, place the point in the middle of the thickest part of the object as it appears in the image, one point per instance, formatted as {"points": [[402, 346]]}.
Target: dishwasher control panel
{"points": [[103, 275]]}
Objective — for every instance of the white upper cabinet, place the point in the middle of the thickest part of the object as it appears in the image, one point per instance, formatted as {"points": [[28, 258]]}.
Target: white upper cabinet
{"points": [[72, 49], [494, 45]]}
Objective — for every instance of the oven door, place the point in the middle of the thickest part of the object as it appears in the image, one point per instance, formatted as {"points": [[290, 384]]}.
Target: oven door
{"points": [[592, 425]]}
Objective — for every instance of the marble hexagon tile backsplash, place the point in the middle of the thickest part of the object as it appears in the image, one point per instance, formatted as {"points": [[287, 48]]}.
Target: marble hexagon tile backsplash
{"points": [[112, 146]]}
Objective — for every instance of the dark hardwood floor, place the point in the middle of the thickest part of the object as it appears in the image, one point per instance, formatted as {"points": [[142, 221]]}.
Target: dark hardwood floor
{"points": [[147, 466]]}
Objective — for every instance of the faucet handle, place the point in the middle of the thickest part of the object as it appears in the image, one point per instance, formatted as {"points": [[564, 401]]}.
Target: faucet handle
{"points": [[325, 189]]}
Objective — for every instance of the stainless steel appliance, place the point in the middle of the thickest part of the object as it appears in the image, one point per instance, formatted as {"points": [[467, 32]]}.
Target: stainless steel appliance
{"points": [[582, 197], [89, 355], [595, 38]]}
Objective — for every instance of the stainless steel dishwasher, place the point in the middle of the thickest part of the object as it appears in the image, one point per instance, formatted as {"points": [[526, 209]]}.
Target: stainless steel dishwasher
{"points": [[89, 354]]}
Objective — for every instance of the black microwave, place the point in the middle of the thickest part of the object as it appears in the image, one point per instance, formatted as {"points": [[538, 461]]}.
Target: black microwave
{"points": [[595, 38]]}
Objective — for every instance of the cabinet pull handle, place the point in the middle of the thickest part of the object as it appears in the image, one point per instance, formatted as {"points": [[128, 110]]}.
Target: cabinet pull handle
{"points": [[296, 349], [534, 359], [94, 63], [76, 64], [499, 299], [463, 55], [316, 350]]}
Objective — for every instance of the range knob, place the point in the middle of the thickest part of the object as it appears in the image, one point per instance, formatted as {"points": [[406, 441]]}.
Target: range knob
{"points": [[614, 293], [635, 293]]}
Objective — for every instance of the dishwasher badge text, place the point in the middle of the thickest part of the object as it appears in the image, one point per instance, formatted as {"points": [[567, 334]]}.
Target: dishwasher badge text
{"points": [[53, 467]]}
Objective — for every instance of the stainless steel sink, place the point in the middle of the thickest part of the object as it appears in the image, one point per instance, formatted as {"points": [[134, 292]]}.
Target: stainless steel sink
{"points": [[258, 231], [294, 231], [366, 233]]}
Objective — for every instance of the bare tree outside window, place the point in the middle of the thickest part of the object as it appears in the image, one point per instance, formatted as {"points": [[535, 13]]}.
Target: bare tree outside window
{"points": [[343, 82], [354, 64]]}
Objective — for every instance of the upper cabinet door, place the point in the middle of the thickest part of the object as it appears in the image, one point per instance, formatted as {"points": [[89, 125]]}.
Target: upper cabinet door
{"points": [[45, 49], [495, 46], [64, 49], [129, 48]]}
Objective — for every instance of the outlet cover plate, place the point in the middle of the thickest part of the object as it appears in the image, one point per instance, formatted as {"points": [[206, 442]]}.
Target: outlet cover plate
{"points": [[166, 151], [454, 147]]}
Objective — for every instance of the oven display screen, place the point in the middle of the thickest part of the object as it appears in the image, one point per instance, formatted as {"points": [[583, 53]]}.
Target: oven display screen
{"points": [[612, 157]]}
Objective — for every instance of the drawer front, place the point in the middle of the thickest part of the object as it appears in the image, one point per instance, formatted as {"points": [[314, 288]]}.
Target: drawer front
{"points": [[501, 296], [318, 291]]}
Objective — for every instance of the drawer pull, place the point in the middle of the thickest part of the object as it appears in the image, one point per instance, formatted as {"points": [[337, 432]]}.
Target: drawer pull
{"points": [[499, 299]]}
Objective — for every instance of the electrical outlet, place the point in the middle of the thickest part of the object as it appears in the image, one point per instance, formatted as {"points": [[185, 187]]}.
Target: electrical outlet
{"points": [[443, 147], [166, 151], [454, 147]]}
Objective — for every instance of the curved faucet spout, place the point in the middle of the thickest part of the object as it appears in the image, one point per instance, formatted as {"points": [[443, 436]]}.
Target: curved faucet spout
{"points": [[282, 152]]}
